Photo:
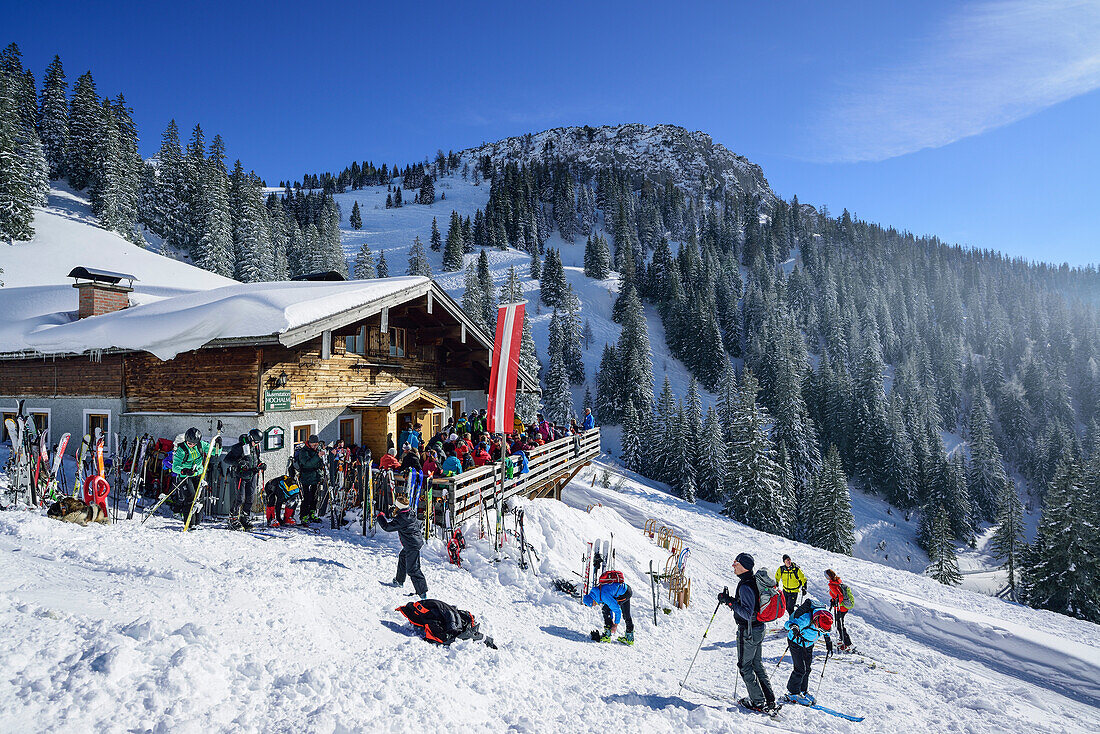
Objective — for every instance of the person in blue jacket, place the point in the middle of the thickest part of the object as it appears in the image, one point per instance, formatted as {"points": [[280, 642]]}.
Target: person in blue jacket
{"points": [[614, 595], [810, 621], [589, 420]]}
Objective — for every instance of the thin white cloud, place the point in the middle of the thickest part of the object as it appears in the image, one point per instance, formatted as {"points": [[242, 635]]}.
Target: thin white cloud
{"points": [[989, 65]]}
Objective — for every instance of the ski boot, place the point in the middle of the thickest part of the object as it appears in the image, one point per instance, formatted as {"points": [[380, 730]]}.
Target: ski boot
{"points": [[392, 583], [235, 523], [288, 516], [598, 636], [803, 699], [627, 639], [269, 513], [246, 522]]}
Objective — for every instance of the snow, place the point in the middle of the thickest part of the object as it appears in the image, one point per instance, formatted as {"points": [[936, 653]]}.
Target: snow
{"points": [[67, 236], [141, 627], [167, 327]]}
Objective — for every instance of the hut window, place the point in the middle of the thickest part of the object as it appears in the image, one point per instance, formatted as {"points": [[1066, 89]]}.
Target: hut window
{"points": [[397, 342]]}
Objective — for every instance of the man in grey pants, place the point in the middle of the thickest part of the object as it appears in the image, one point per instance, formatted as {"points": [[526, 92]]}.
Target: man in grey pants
{"points": [[750, 637]]}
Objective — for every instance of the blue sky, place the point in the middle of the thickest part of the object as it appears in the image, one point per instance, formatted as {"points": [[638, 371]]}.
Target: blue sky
{"points": [[972, 121]]}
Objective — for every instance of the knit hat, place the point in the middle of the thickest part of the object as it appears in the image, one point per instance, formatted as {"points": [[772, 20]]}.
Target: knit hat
{"points": [[786, 557], [391, 452], [745, 560]]}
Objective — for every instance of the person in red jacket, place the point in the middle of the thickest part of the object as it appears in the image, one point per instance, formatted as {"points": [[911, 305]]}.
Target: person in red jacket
{"points": [[837, 602], [481, 455], [389, 460]]}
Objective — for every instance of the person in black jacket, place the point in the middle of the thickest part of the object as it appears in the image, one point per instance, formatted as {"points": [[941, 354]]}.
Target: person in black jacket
{"points": [[243, 462], [750, 636], [409, 529], [309, 465]]}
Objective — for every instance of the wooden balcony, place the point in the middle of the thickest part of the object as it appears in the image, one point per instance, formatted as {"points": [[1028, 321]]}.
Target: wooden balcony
{"points": [[550, 468]]}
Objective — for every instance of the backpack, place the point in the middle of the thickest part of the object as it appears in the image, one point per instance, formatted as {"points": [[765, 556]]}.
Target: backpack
{"points": [[611, 577], [849, 597], [772, 604], [440, 622]]}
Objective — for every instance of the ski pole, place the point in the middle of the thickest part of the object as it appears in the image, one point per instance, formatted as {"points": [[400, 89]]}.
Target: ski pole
{"points": [[785, 650], [821, 678], [716, 608]]}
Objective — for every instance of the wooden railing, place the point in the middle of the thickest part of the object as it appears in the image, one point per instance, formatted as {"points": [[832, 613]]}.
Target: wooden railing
{"points": [[550, 467]]}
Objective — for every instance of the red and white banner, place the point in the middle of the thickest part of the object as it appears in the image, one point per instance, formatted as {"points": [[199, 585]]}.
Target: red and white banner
{"points": [[505, 368]]}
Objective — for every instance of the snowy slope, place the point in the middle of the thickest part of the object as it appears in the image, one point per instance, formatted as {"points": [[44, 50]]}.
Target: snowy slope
{"points": [[67, 236], [142, 628], [392, 231]]}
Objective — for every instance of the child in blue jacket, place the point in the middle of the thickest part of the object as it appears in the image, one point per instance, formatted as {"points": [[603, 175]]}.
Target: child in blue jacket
{"points": [[808, 622], [615, 598]]}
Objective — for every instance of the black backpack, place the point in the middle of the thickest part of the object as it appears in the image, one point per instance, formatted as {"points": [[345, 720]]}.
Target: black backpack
{"points": [[442, 623]]}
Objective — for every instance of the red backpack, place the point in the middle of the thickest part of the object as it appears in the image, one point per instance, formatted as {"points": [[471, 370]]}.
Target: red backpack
{"points": [[772, 604], [611, 577]]}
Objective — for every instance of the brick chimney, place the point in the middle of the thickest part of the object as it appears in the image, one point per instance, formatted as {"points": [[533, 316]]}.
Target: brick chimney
{"points": [[100, 291]]}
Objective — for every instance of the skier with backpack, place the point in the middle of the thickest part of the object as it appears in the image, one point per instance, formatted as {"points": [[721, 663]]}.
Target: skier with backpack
{"points": [[842, 600], [243, 462], [281, 497], [748, 609], [310, 467], [791, 580], [614, 594], [411, 533], [810, 621], [187, 462]]}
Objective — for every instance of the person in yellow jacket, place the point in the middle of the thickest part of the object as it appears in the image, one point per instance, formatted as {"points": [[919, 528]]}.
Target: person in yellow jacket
{"points": [[791, 580]]}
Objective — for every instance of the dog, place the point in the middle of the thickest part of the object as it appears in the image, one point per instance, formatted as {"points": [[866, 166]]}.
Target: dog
{"points": [[70, 509]]}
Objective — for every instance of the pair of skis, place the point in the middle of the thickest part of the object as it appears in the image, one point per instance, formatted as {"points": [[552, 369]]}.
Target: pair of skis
{"points": [[599, 557]]}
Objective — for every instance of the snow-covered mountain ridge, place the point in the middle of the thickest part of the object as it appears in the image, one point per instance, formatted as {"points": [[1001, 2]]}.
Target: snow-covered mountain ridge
{"points": [[658, 152]]}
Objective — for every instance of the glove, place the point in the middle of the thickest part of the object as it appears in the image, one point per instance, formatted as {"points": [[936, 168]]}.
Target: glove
{"points": [[828, 645], [725, 598], [804, 589]]}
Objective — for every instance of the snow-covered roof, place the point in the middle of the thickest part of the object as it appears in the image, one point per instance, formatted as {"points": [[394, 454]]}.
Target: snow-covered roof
{"points": [[42, 322], [395, 398]]}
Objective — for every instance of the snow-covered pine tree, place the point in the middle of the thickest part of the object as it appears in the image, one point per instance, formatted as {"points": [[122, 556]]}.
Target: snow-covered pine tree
{"points": [[251, 239], [553, 284], [216, 251], [786, 504], [536, 267], [754, 474], [1064, 575], [364, 263], [85, 131], [1008, 541], [436, 241], [597, 257], [164, 212], [571, 347], [635, 357], [632, 453], [869, 415], [53, 117], [713, 465], [609, 408], [418, 259], [473, 298], [586, 335], [831, 524], [336, 260], [558, 405], [383, 268], [452, 254], [944, 564], [16, 187], [356, 219], [986, 477], [485, 279], [427, 191], [280, 244]]}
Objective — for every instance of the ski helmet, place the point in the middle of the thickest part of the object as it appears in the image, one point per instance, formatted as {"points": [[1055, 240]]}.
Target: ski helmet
{"points": [[243, 438], [255, 435], [823, 619], [193, 435]]}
